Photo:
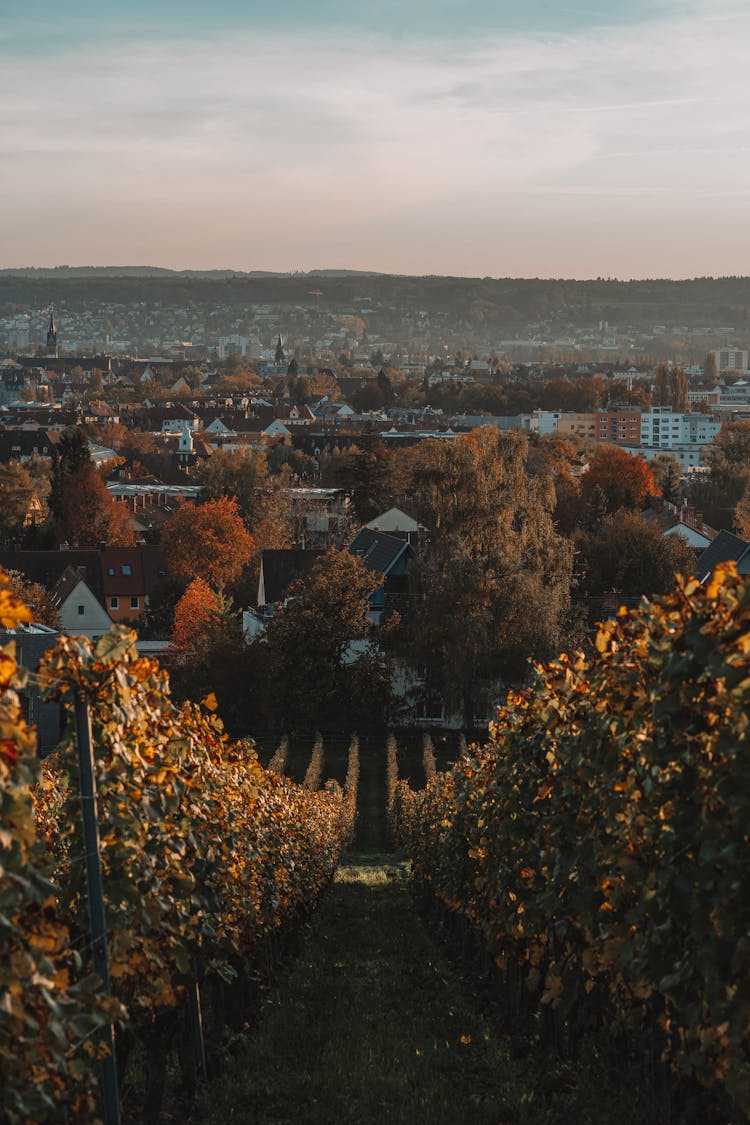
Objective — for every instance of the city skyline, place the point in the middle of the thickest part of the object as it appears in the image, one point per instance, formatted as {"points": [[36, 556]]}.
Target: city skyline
{"points": [[445, 138]]}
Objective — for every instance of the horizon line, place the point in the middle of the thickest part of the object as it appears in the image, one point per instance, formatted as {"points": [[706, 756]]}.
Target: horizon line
{"points": [[354, 271]]}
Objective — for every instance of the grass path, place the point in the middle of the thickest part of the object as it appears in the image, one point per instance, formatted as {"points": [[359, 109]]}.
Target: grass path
{"points": [[369, 1025], [373, 1023]]}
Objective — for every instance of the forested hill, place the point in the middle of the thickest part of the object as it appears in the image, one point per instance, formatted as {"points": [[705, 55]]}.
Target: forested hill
{"points": [[719, 302]]}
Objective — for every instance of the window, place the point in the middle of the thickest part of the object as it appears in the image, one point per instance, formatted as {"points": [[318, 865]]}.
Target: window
{"points": [[81, 610], [111, 571], [134, 603], [126, 569], [114, 603]]}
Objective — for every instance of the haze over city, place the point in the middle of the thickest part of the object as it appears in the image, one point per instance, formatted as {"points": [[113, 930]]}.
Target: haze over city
{"points": [[456, 137]]}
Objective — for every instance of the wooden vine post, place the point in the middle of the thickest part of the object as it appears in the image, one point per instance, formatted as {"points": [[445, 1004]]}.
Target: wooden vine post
{"points": [[95, 896]]}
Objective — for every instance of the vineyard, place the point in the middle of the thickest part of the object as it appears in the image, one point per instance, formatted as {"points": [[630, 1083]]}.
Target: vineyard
{"points": [[598, 845], [590, 864], [209, 864]]}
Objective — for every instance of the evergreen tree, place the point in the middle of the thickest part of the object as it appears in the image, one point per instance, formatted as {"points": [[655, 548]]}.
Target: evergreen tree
{"points": [[71, 454]]}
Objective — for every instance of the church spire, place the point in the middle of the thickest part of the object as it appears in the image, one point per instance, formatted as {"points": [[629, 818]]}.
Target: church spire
{"points": [[279, 351], [52, 335]]}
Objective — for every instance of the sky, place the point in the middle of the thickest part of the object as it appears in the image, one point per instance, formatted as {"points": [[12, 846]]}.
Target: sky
{"points": [[469, 137]]}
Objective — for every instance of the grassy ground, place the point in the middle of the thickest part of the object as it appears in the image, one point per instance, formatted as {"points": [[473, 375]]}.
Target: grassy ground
{"points": [[374, 1024]]}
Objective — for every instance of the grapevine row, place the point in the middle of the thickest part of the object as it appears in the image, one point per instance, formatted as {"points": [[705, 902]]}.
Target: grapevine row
{"points": [[599, 842], [207, 860]]}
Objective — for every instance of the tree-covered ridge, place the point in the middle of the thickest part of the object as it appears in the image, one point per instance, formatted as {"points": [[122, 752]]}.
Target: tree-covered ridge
{"points": [[704, 301]]}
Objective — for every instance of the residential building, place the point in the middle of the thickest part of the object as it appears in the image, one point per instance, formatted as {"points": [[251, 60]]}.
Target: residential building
{"points": [[573, 424], [131, 577], [730, 359], [726, 547], [32, 641], [389, 556], [319, 516], [665, 428], [397, 523], [618, 427]]}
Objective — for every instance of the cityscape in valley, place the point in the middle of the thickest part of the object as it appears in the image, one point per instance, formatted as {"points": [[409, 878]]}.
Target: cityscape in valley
{"points": [[374, 563], [323, 418]]}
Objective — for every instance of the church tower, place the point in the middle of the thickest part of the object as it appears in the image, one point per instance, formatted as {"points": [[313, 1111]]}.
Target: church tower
{"points": [[279, 351], [52, 336]]}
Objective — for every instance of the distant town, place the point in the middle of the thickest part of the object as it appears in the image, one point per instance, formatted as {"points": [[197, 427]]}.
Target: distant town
{"points": [[410, 356], [176, 449]]}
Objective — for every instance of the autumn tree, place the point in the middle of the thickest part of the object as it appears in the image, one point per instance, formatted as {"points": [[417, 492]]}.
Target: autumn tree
{"points": [[671, 387], [17, 491], [630, 554], [136, 444], [626, 481], [731, 446], [206, 635], [710, 368], [718, 492], [492, 587], [364, 471], [742, 514], [88, 515], [293, 461], [667, 472], [39, 600], [82, 509], [312, 677], [193, 616], [555, 457], [368, 397], [209, 540], [238, 375], [260, 502], [69, 455], [111, 434], [323, 382]]}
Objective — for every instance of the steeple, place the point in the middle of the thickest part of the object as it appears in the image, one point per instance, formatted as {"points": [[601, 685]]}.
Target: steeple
{"points": [[279, 351], [185, 444], [52, 335]]}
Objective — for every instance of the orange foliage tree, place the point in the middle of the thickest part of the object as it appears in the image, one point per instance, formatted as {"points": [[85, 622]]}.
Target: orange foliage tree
{"points": [[626, 481], [210, 540], [87, 513], [193, 615]]}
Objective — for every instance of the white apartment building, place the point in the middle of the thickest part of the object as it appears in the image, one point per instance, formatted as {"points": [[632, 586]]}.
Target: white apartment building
{"points": [[699, 429], [231, 345], [730, 359], [663, 428], [689, 456], [544, 422]]}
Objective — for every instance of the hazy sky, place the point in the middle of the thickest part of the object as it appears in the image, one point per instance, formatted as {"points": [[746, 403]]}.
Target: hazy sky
{"points": [[480, 137]]}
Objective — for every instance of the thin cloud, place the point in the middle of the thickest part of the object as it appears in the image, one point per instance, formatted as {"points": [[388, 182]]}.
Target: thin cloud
{"points": [[268, 140]]}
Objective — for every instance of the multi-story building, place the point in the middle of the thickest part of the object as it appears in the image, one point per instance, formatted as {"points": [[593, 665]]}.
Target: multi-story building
{"points": [[730, 359], [577, 424], [699, 429], [618, 427], [664, 428]]}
